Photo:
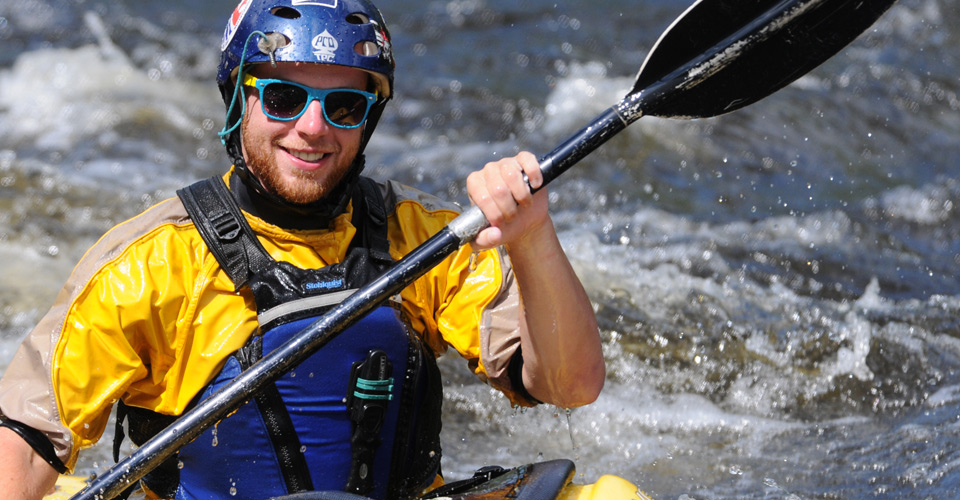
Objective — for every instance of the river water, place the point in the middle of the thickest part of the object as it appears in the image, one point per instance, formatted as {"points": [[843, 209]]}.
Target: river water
{"points": [[777, 287]]}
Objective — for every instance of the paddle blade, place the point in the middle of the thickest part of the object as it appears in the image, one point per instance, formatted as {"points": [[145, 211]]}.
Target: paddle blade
{"points": [[740, 51]]}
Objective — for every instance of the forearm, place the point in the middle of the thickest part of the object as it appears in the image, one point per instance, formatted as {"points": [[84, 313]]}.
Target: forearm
{"points": [[23, 474], [562, 356], [562, 353]]}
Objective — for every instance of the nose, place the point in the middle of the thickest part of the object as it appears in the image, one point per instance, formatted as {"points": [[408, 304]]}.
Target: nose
{"points": [[312, 122]]}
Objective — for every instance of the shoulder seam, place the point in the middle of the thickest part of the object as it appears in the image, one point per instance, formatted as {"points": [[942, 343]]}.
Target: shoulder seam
{"points": [[395, 193]]}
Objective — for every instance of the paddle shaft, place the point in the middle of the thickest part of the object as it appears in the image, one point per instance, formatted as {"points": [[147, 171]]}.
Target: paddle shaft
{"points": [[654, 98]]}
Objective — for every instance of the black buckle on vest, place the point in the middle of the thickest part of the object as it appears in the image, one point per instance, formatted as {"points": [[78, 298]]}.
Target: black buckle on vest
{"points": [[226, 226]]}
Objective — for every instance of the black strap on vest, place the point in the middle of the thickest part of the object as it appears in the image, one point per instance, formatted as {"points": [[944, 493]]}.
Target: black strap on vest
{"points": [[235, 246], [143, 425], [221, 224], [276, 418]]}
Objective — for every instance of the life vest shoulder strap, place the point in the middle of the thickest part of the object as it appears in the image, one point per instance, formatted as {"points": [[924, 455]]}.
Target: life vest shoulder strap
{"points": [[224, 229], [370, 219]]}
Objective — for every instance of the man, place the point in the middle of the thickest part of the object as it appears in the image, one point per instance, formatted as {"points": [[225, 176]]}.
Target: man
{"points": [[172, 304]]}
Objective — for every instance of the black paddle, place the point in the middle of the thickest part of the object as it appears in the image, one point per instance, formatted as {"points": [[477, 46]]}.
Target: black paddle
{"points": [[719, 56]]}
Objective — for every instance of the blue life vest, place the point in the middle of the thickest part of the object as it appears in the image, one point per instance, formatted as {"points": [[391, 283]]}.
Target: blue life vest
{"points": [[238, 457], [360, 415]]}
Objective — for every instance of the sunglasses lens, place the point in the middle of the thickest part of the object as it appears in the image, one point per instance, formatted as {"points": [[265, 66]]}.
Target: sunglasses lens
{"points": [[281, 100], [345, 108]]}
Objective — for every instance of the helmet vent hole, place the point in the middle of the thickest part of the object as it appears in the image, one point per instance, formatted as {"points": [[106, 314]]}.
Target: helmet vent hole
{"points": [[358, 18], [367, 48], [286, 12]]}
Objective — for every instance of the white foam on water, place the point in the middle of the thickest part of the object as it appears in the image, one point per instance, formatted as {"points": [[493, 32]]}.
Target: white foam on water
{"points": [[585, 90], [629, 428], [54, 98], [930, 205], [651, 275], [581, 94], [948, 395], [94, 96]]}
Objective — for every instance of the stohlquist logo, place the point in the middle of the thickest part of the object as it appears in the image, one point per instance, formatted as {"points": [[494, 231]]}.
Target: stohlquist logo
{"points": [[325, 285]]}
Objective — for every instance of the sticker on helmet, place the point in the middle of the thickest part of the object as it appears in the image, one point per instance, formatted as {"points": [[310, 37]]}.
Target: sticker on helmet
{"points": [[329, 3], [234, 22], [386, 48], [325, 47]]}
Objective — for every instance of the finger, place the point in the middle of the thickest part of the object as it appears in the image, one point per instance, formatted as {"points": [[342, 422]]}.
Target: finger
{"points": [[503, 181], [531, 167], [490, 237], [480, 195], [515, 179]]}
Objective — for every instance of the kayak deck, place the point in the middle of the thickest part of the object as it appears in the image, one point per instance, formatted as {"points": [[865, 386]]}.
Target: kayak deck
{"points": [[67, 486], [544, 480]]}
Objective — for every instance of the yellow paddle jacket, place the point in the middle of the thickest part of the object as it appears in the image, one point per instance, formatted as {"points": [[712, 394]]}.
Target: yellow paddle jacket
{"points": [[149, 316]]}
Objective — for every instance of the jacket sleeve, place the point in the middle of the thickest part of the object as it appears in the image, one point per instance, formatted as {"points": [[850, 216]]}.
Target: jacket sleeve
{"points": [[481, 312]]}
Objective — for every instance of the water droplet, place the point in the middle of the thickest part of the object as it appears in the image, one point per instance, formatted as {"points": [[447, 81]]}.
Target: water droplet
{"points": [[233, 491], [473, 262]]}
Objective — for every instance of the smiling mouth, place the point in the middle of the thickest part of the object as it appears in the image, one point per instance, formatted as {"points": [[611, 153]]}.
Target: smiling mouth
{"points": [[308, 157]]}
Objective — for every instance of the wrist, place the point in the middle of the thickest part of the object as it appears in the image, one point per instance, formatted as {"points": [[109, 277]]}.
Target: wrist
{"points": [[540, 242]]}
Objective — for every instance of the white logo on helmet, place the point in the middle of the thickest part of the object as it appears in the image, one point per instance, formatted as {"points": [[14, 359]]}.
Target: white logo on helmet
{"points": [[386, 47], [327, 3], [325, 47], [234, 22]]}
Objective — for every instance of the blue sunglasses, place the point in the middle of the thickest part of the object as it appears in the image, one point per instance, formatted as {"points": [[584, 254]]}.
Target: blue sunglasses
{"points": [[284, 100]]}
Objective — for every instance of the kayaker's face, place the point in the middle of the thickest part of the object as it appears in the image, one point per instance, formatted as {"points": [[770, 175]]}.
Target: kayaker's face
{"points": [[303, 159]]}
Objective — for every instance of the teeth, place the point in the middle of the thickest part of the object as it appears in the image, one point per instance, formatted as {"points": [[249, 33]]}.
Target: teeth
{"points": [[311, 157]]}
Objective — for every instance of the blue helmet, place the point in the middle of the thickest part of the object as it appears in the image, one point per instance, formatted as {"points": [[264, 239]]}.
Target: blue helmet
{"points": [[342, 32]]}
